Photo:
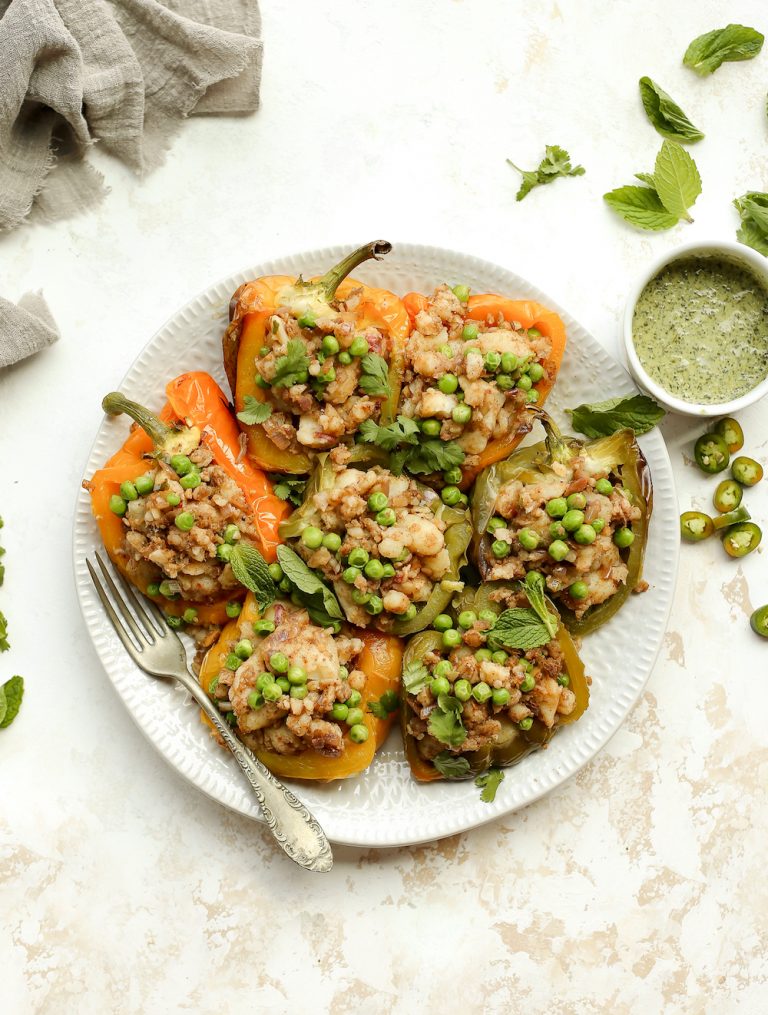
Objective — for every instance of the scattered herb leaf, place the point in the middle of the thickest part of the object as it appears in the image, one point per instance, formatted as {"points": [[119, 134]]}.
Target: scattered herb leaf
{"points": [[434, 456], [753, 209], [415, 677], [677, 179], [518, 628], [254, 412], [401, 440], [489, 782], [374, 379], [734, 42], [290, 488], [601, 419], [252, 571], [556, 162], [640, 206], [446, 727], [385, 706], [451, 766], [307, 581], [4, 643], [293, 367], [665, 115], [11, 693], [402, 431], [535, 590]]}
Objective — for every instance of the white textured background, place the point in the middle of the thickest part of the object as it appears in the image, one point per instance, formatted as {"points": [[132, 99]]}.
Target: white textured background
{"points": [[637, 887]]}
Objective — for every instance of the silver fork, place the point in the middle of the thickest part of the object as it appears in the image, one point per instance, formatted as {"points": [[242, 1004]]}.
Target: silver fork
{"points": [[159, 652]]}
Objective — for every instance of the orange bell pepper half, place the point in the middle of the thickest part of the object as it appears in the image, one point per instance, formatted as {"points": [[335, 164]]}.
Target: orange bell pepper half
{"points": [[196, 400], [529, 314], [380, 660]]}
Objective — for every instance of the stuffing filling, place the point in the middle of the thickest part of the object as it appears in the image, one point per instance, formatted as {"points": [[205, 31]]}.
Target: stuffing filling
{"points": [[571, 526], [380, 539], [288, 686], [322, 376], [470, 381], [180, 525], [461, 694]]}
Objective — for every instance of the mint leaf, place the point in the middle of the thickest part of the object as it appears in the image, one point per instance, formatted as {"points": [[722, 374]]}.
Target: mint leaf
{"points": [[451, 766], [677, 179], [646, 178], [11, 693], [446, 727], [415, 677], [307, 581], [255, 412], [640, 206], [489, 782], [534, 588], [751, 235], [293, 368], [556, 162], [665, 115], [601, 419], [753, 209], [4, 643], [518, 628], [374, 379], [734, 42], [252, 571]]}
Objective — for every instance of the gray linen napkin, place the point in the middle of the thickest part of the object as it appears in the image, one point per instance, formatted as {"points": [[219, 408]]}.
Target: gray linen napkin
{"points": [[25, 328]]}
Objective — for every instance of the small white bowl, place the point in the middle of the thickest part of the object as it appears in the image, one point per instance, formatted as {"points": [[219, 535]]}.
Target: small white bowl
{"points": [[737, 252]]}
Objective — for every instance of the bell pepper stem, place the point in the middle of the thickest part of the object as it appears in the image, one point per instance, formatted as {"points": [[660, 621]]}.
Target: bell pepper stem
{"points": [[559, 450], [333, 278], [167, 440]]}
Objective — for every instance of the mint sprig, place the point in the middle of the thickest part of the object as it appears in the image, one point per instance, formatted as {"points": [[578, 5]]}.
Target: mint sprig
{"points": [[671, 191]]}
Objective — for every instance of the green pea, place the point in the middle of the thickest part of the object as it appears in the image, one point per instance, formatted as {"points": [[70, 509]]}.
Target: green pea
{"points": [[492, 361], [299, 691], [374, 569], [451, 638], [604, 487], [505, 382], [500, 549], [439, 686], [579, 590], [264, 350], [374, 605], [585, 535], [360, 597], [576, 502], [598, 524], [189, 616], [339, 711], [279, 662], [354, 699], [431, 427], [272, 692], [283, 684], [244, 649], [556, 507], [535, 372], [461, 292], [528, 684], [233, 609], [529, 539], [448, 383], [442, 622], [185, 521], [386, 517], [524, 383], [354, 716], [358, 733], [173, 499], [467, 618], [744, 470], [488, 616], [443, 669], [500, 657], [509, 362], [358, 557], [573, 520], [264, 680], [328, 376], [168, 590], [533, 396], [564, 680], [558, 550], [500, 697], [312, 537], [262, 382], [557, 531], [377, 502], [180, 464], [525, 724], [495, 523], [462, 690], [144, 484], [388, 571], [297, 675], [351, 574], [232, 662], [224, 551], [461, 414], [345, 358], [255, 700], [483, 655], [307, 320], [231, 534], [330, 345], [117, 505], [264, 626], [153, 589], [190, 481], [128, 491], [623, 538], [446, 351], [450, 495], [285, 585], [359, 346], [481, 692], [452, 476], [410, 613]]}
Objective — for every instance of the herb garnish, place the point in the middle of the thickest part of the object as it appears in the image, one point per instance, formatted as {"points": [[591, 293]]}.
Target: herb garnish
{"points": [[252, 571], [385, 706], [402, 439], [321, 601], [535, 590], [293, 367], [374, 379], [665, 114], [601, 419], [11, 693], [445, 722], [753, 231], [556, 162], [451, 766], [671, 190], [4, 643], [254, 411], [290, 488], [489, 782], [415, 677], [734, 42]]}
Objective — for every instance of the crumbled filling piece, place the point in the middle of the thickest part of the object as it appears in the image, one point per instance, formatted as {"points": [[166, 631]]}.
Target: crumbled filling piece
{"points": [[572, 526], [378, 539], [470, 381], [290, 686]]}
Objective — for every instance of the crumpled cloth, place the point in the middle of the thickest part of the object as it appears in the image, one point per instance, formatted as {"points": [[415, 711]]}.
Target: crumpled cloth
{"points": [[123, 73], [26, 327]]}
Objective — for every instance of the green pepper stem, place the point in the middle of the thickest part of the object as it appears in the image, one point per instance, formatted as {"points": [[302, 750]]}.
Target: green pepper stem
{"points": [[115, 403], [558, 447], [331, 280]]}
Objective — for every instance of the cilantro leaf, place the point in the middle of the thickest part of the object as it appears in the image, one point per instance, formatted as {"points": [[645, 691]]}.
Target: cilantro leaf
{"points": [[252, 571], [255, 412], [307, 581], [385, 706], [446, 727], [402, 431], [415, 677], [293, 367], [11, 693], [556, 162], [434, 456], [290, 488], [489, 782], [374, 379], [534, 589], [4, 643], [518, 628], [665, 115], [734, 42], [451, 766], [601, 419]]}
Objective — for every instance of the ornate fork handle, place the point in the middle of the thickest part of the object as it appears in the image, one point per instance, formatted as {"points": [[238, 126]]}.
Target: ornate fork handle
{"points": [[289, 821]]}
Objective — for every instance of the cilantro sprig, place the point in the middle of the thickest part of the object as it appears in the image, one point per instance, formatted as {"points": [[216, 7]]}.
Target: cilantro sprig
{"points": [[445, 722], [489, 782], [292, 368], [254, 411], [407, 448], [290, 488], [374, 379], [556, 162]]}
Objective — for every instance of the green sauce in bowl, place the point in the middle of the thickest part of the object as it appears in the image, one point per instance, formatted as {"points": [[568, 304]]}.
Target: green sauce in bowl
{"points": [[700, 329]]}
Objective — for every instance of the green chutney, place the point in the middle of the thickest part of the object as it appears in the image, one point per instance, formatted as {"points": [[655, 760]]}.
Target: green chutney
{"points": [[700, 328]]}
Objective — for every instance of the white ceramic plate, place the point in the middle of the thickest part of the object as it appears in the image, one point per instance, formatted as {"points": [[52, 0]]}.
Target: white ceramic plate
{"points": [[384, 807]]}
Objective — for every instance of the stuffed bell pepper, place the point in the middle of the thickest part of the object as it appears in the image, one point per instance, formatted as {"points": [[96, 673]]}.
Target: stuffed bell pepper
{"points": [[577, 511], [308, 362], [474, 366], [389, 546], [172, 502], [473, 697], [310, 703]]}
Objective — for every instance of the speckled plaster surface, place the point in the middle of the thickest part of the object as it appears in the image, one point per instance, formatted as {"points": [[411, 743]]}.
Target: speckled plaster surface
{"points": [[636, 887]]}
